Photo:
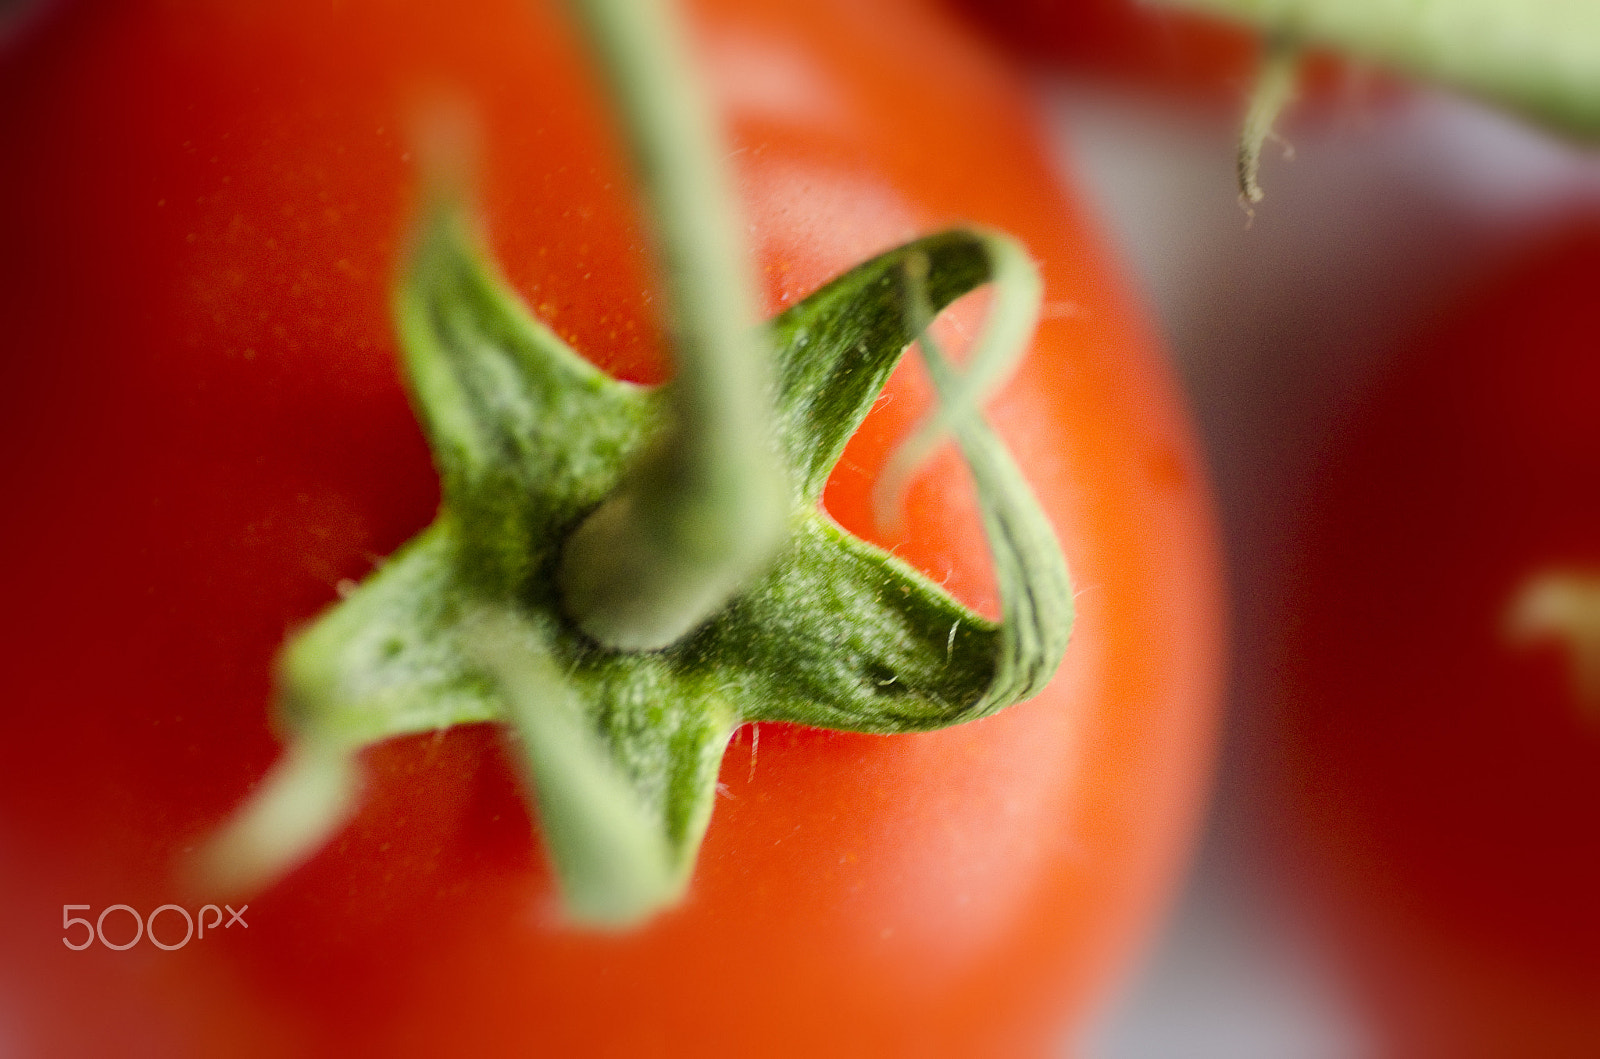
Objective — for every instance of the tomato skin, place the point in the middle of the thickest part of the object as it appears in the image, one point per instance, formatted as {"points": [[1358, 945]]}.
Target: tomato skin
{"points": [[1440, 780], [1172, 55], [201, 239]]}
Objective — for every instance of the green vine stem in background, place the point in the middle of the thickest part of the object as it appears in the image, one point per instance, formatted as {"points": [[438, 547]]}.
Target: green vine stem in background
{"points": [[1539, 57]]}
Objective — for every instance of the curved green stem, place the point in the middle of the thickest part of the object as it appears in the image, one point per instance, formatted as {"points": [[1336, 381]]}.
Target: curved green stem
{"points": [[1002, 343], [706, 507]]}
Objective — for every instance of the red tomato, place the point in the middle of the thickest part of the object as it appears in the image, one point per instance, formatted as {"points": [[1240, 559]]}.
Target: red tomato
{"points": [[1125, 39], [1443, 780], [208, 437]]}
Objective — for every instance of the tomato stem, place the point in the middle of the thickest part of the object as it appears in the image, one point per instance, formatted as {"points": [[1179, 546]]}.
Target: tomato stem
{"points": [[1273, 92], [707, 506]]}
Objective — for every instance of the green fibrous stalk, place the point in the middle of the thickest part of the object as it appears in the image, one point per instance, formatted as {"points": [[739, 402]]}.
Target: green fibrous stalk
{"points": [[1538, 57], [702, 509], [621, 748]]}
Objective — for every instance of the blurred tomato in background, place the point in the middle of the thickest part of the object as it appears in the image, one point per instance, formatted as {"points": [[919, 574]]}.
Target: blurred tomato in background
{"points": [[1441, 779], [1385, 221]]}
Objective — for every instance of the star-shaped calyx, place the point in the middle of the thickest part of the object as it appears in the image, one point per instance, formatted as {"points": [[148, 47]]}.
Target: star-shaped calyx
{"points": [[621, 749]]}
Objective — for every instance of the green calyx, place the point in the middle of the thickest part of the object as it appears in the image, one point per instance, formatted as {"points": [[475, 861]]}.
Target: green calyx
{"points": [[467, 622]]}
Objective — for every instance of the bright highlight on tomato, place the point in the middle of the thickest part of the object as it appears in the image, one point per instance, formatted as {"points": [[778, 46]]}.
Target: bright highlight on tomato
{"points": [[213, 445]]}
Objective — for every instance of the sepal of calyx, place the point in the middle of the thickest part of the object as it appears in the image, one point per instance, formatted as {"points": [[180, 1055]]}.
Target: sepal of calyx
{"points": [[621, 749]]}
